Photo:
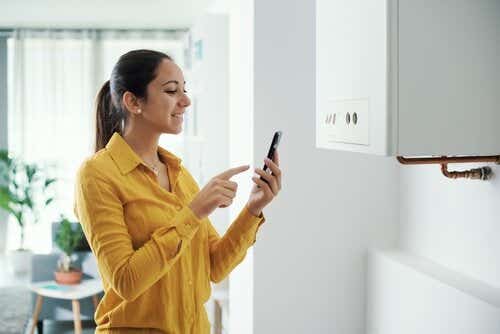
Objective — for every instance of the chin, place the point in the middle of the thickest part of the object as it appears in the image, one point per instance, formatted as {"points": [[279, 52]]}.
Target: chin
{"points": [[173, 131]]}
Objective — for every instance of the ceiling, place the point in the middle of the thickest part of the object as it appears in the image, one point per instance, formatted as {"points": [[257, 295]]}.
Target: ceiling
{"points": [[168, 14]]}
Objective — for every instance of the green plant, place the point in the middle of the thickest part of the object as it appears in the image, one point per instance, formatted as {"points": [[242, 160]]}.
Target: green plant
{"points": [[24, 190], [67, 239]]}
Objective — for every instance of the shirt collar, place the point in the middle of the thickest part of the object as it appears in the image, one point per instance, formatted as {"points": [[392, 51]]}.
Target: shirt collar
{"points": [[127, 160]]}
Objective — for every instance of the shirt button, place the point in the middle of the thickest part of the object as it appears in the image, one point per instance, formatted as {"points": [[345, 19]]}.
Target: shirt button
{"points": [[190, 282]]}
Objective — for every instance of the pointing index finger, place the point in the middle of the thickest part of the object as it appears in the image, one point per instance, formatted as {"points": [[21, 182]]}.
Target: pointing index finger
{"points": [[232, 172]]}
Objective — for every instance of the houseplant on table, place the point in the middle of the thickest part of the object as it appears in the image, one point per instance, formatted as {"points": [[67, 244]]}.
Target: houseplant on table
{"points": [[24, 193], [67, 239]]}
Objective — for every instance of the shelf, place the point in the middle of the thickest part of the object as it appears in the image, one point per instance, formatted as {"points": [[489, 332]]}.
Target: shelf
{"points": [[411, 294], [456, 280]]}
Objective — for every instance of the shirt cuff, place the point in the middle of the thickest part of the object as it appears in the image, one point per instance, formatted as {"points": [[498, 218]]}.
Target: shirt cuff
{"points": [[245, 226]]}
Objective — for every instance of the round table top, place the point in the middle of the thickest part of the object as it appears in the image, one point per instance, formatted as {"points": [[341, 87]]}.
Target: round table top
{"points": [[86, 288]]}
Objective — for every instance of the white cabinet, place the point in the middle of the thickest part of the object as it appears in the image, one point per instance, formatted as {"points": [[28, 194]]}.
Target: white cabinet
{"points": [[408, 77]]}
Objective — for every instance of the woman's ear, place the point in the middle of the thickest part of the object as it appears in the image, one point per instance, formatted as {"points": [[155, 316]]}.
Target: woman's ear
{"points": [[131, 103]]}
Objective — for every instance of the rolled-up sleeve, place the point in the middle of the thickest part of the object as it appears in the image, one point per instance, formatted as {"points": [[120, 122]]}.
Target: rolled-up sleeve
{"points": [[129, 272]]}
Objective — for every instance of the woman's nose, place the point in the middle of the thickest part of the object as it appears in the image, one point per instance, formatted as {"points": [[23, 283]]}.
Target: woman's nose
{"points": [[185, 101]]}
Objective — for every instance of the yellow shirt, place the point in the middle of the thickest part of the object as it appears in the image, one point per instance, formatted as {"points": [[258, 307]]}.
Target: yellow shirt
{"points": [[155, 257]]}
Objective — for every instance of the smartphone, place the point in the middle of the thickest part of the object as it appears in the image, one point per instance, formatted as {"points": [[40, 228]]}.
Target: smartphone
{"points": [[274, 145]]}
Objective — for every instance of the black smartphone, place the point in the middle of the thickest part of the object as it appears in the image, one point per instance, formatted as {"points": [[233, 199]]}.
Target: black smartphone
{"points": [[274, 145]]}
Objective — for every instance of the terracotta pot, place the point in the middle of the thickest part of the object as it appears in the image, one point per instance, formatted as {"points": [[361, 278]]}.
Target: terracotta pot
{"points": [[68, 278]]}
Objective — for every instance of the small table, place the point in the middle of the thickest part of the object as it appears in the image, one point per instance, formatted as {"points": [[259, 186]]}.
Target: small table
{"points": [[87, 288]]}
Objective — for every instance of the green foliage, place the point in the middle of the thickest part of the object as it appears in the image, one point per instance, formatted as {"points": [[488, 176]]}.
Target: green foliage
{"points": [[24, 190], [67, 237]]}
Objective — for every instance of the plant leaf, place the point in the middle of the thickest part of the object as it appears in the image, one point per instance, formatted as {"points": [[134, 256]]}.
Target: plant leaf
{"points": [[48, 182], [30, 172]]}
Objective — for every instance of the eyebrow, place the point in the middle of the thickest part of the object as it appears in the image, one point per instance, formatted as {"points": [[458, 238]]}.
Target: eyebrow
{"points": [[174, 81]]}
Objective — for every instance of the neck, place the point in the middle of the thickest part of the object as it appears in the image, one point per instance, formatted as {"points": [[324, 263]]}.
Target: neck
{"points": [[145, 145]]}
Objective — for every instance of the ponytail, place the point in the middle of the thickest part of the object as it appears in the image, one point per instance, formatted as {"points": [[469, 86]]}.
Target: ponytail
{"points": [[108, 118]]}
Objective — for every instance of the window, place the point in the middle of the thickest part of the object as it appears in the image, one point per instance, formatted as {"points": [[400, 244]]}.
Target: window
{"points": [[53, 77]]}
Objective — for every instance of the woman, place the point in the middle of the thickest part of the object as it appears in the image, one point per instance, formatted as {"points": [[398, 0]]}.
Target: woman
{"points": [[144, 215]]}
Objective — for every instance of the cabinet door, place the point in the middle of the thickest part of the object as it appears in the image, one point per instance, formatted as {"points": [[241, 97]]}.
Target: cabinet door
{"points": [[353, 69], [449, 77]]}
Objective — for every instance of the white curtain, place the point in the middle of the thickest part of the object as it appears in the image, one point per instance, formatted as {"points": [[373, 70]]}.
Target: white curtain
{"points": [[54, 76]]}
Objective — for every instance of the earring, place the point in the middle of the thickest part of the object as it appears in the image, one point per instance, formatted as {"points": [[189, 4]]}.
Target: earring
{"points": [[139, 111]]}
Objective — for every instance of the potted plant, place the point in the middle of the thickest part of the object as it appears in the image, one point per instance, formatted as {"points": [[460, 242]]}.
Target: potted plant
{"points": [[24, 192], [68, 237]]}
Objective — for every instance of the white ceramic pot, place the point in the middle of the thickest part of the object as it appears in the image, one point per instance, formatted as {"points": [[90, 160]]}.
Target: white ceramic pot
{"points": [[19, 261]]}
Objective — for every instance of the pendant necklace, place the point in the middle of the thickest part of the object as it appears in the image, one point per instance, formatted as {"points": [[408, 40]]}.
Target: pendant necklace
{"points": [[155, 169]]}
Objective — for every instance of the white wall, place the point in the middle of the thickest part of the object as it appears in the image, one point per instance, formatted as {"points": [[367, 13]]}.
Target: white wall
{"points": [[446, 275], [241, 22], [310, 255], [230, 139], [208, 82], [453, 222], [452, 225]]}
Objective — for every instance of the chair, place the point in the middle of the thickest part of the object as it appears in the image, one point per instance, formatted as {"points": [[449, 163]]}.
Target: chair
{"points": [[42, 269]]}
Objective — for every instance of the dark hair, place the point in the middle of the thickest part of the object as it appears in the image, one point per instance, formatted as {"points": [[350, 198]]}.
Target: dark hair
{"points": [[133, 72]]}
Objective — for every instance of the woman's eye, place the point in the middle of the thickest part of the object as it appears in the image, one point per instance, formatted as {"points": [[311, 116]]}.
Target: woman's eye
{"points": [[174, 91]]}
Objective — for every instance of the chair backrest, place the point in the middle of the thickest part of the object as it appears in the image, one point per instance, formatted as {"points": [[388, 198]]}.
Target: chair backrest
{"points": [[43, 266]]}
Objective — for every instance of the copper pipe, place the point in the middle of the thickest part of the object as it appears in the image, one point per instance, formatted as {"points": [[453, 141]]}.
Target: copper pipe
{"points": [[482, 173]]}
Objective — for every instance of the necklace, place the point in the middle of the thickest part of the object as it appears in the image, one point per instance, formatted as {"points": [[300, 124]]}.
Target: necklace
{"points": [[153, 167]]}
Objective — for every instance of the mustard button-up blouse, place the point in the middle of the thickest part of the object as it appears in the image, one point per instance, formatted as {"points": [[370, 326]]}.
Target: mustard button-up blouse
{"points": [[155, 257]]}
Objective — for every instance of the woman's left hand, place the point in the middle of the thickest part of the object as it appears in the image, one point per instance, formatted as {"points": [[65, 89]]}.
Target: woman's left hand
{"points": [[263, 193]]}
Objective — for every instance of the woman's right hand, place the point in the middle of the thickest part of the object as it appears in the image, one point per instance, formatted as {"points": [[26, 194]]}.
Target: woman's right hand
{"points": [[217, 193]]}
